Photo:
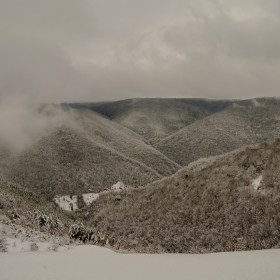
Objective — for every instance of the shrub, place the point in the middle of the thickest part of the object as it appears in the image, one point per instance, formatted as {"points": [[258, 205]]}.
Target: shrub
{"points": [[80, 232], [3, 244], [49, 221], [34, 247]]}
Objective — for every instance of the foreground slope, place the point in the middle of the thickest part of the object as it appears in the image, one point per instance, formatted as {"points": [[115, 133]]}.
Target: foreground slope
{"points": [[226, 203], [86, 153], [245, 122], [28, 222], [155, 118]]}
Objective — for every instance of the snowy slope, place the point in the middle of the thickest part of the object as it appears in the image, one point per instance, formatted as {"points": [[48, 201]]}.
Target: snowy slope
{"points": [[15, 245], [91, 262]]}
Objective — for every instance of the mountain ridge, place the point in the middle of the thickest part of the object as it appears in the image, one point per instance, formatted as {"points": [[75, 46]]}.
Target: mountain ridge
{"points": [[245, 122], [155, 118]]}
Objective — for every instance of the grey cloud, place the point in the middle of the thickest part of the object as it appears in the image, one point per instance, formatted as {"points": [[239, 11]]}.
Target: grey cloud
{"points": [[34, 38], [248, 40], [68, 50], [220, 50], [38, 71], [60, 21], [252, 38]]}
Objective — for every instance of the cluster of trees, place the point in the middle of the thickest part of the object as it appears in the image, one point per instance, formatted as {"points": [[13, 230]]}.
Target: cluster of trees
{"points": [[78, 231]]}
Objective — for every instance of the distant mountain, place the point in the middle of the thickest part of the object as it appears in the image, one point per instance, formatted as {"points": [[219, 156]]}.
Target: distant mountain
{"points": [[155, 118], [188, 129], [225, 203], [245, 122], [87, 153]]}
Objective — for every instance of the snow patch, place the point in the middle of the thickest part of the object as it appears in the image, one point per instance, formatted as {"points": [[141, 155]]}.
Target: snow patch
{"points": [[118, 186], [66, 202], [257, 182], [90, 197]]}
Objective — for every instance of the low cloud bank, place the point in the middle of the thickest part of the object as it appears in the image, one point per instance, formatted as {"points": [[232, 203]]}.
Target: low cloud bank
{"points": [[21, 124]]}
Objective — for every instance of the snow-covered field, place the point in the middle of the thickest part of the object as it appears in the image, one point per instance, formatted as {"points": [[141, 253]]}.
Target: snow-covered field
{"points": [[91, 262]]}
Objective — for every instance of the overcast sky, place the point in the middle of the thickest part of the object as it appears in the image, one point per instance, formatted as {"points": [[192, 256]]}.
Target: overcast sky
{"points": [[93, 50]]}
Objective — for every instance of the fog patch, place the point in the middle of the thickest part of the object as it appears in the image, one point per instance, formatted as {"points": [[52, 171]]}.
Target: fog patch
{"points": [[256, 103], [22, 124]]}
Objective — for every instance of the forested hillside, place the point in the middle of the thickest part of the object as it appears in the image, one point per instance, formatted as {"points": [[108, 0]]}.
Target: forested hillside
{"points": [[245, 122], [156, 118], [226, 203], [86, 153], [188, 129]]}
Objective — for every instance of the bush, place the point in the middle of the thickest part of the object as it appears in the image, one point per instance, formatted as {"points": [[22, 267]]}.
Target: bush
{"points": [[80, 232], [49, 221], [34, 247], [3, 244]]}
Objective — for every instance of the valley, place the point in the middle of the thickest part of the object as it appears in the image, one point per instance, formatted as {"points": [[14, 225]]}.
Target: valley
{"points": [[157, 175]]}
